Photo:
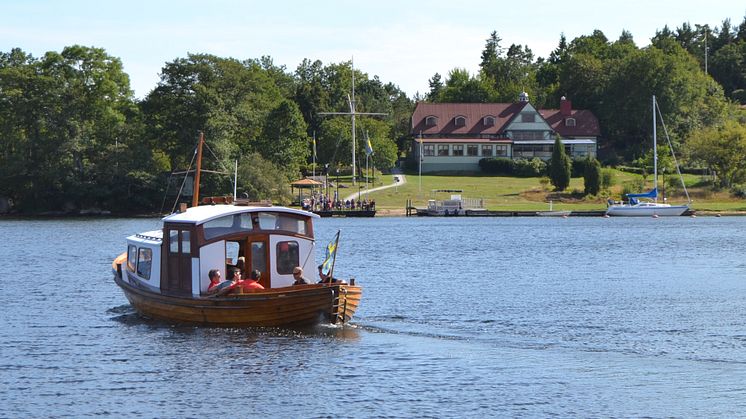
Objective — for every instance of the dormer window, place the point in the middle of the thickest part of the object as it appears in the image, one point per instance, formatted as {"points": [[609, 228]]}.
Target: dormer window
{"points": [[431, 121], [528, 117], [488, 121], [569, 122], [459, 121]]}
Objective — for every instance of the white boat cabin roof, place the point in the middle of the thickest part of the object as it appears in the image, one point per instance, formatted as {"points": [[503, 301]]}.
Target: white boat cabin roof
{"points": [[204, 213]]}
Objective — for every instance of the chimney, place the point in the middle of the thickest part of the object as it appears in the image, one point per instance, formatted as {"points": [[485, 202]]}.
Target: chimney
{"points": [[565, 107]]}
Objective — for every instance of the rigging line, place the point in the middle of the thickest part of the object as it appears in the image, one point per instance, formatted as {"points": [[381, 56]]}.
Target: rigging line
{"points": [[183, 182], [165, 194], [216, 158], [678, 170]]}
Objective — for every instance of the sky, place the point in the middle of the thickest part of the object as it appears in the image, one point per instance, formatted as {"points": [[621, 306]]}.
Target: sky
{"points": [[402, 42]]}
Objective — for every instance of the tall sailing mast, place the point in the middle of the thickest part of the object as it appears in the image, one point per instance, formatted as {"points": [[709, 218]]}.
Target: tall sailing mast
{"points": [[352, 113]]}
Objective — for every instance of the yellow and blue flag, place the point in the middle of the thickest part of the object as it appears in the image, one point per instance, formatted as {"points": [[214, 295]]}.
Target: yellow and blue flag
{"points": [[331, 254], [368, 147]]}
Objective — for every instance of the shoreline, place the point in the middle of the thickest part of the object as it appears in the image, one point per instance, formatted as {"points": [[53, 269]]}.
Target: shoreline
{"points": [[380, 213]]}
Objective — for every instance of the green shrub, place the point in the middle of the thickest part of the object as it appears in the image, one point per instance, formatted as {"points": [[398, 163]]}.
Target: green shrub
{"points": [[529, 168]]}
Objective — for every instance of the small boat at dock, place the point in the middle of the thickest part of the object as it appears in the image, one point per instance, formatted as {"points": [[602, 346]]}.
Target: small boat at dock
{"points": [[552, 213]]}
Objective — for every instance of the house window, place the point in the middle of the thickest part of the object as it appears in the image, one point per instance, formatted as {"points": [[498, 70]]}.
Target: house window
{"points": [[528, 135], [570, 122], [428, 150], [144, 262], [458, 150], [528, 117], [488, 121], [502, 150], [472, 150], [443, 149], [460, 121], [431, 121], [486, 151], [288, 257]]}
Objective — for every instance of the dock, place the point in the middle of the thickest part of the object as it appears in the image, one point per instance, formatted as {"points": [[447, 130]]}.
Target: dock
{"points": [[345, 213]]}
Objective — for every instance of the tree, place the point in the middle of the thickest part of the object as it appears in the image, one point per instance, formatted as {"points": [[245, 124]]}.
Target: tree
{"points": [[260, 179], [284, 141], [436, 86], [560, 166], [592, 177], [722, 149], [69, 120]]}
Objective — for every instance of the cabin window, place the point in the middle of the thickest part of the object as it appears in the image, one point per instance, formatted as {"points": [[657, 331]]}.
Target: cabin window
{"points": [[185, 245], [144, 262], [131, 258], [288, 257], [570, 122], [258, 262], [443, 149], [502, 149], [431, 121], [472, 150], [459, 121], [428, 149], [230, 224], [231, 252], [489, 121], [486, 151], [285, 222], [173, 240], [458, 150]]}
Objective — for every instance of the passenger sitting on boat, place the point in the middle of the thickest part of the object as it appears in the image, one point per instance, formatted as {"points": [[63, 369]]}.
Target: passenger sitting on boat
{"points": [[298, 276], [214, 276], [326, 279], [253, 282]]}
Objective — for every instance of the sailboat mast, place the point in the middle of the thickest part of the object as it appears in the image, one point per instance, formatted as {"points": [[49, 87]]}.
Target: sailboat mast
{"points": [[655, 154], [195, 196]]}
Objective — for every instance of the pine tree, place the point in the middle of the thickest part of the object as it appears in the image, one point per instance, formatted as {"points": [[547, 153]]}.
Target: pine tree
{"points": [[560, 166], [592, 176]]}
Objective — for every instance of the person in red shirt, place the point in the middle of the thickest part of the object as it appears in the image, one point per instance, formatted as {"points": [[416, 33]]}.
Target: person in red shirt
{"points": [[214, 276], [218, 287], [253, 282]]}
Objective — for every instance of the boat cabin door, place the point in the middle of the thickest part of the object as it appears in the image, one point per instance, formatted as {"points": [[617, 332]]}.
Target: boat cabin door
{"points": [[179, 277], [259, 259]]}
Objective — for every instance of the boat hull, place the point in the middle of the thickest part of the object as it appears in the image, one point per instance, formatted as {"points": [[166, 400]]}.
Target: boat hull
{"points": [[553, 213], [646, 211], [288, 306]]}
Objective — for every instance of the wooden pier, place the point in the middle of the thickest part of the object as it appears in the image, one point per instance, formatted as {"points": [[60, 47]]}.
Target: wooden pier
{"points": [[345, 213]]}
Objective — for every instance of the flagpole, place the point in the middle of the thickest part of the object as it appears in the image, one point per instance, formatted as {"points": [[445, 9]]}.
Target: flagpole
{"points": [[314, 155], [334, 257], [420, 176]]}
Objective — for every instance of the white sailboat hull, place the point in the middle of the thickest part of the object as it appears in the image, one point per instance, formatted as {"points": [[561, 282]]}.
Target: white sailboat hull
{"points": [[646, 210]]}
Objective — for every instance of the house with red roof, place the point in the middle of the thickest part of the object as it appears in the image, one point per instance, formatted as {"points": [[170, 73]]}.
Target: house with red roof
{"points": [[455, 136]]}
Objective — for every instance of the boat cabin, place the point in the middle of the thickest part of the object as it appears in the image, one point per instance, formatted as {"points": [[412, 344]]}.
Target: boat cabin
{"points": [[177, 259]]}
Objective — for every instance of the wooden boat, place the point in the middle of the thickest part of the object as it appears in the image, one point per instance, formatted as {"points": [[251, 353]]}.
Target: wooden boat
{"points": [[164, 273]]}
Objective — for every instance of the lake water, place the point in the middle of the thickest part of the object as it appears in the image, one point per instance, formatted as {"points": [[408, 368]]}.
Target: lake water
{"points": [[461, 317]]}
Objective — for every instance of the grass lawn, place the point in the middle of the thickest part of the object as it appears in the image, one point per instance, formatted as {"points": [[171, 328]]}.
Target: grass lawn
{"points": [[529, 194]]}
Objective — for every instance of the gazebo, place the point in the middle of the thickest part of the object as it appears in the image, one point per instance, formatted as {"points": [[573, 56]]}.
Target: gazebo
{"points": [[304, 184]]}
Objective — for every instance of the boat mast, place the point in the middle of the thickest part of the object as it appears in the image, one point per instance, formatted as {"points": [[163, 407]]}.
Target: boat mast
{"points": [[655, 155], [352, 111], [195, 196]]}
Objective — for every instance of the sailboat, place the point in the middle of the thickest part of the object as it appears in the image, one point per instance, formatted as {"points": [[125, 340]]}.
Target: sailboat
{"points": [[634, 207]]}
